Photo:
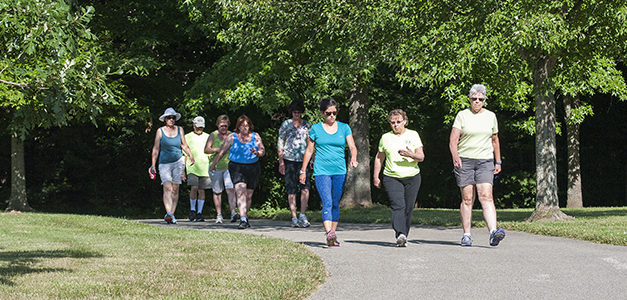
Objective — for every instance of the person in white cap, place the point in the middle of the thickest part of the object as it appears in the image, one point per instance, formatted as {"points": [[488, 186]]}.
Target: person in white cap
{"points": [[169, 141], [198, 173]]}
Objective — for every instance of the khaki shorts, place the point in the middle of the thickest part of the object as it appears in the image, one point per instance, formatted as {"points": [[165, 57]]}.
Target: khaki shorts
{"points": [[203, 182]]}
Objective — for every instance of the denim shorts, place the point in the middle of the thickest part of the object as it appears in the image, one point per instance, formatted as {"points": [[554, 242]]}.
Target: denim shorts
{"points": [[292, 174], [474, 171], [172, 172]]}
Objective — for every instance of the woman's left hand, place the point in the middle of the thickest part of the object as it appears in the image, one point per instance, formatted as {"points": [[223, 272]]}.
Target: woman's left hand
{"points": [[406, 152], [354, 163]]}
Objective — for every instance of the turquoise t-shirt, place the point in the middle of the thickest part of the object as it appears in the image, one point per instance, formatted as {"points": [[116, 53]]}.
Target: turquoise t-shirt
{"points": [[330, 158]]}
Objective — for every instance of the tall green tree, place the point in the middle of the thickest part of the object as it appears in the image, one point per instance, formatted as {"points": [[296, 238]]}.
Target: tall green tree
{"points": [[50, 74], [313, 48], [519, 48]]}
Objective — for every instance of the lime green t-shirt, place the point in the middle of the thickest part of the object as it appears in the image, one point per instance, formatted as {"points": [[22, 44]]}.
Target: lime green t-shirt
{"points": [[223, 164], [397, 165], [196, 145], [476, 137]]}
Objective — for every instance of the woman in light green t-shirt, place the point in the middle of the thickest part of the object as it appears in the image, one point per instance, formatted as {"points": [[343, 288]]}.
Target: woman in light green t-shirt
{"points": [[476, 153], [401, 150]]}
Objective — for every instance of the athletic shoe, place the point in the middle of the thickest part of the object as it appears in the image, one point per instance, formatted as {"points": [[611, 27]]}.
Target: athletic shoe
{"points": [[199, 218], [332, 239], [295, 222], [401, 240], [192, 215], [219, 219], [466, 240], [302, 221], [168, 218], [173, 219], [243, 225], [497, 236], [234, 217]]}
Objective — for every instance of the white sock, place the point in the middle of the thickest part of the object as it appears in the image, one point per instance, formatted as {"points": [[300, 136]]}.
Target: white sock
{"points": [[301, 215], [201, 203], [192, 204], [467, 233], [492, 231]]}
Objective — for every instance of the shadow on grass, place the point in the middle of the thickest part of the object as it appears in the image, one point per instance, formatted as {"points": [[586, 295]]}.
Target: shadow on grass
{"points": [[23, 262]]}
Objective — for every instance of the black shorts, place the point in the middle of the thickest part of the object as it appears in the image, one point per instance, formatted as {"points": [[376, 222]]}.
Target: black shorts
{"points": [[246, 173], [292, 174]]}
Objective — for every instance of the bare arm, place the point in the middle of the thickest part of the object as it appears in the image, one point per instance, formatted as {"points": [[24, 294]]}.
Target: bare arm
{"points": [[308, 154], [261, 150], [280, 145], [208, 148], [185, 147], [155, 151], [452, 145], [351, 145], [225, 147], [497, 153], [378, 162]]}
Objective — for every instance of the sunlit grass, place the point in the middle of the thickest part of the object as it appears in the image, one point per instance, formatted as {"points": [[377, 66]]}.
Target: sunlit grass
{"points": [[606, 225], [70, 256]]}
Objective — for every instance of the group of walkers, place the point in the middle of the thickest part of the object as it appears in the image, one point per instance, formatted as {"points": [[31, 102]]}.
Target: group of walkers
{"points": [[229, 161]]}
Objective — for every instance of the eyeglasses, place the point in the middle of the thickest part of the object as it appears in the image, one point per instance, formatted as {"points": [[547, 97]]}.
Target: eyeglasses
{"points": [[396, 122], [475, 99], [224, 126], [330, 113], [170, 118]]}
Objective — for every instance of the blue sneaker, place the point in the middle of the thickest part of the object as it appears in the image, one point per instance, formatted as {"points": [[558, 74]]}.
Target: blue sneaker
{"points": [[497, 236], [466, 240], [173, 219]]}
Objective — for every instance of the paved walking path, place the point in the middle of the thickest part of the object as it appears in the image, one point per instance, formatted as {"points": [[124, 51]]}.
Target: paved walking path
{"points": [[434, 266]]}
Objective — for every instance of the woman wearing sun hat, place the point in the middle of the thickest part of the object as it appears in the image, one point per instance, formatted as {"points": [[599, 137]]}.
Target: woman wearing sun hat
{"points": [[169, 141]]}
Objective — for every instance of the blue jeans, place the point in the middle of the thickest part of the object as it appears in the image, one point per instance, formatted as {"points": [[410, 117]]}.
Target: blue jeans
{"points": [[330, 189]]}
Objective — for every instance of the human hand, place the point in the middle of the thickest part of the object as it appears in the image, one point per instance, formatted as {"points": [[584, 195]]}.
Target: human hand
{"points": [[497, 169], [282, 168], [457, 162], [354, 164], [254, 151], [212, 168], [406, 152], [191, 161], [152, 172], [184, 177], [302, 178], [377, 182]]}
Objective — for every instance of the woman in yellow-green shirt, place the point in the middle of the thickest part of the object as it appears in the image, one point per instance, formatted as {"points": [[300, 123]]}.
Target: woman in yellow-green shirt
{"points": [[401, 150], [476, 153]]}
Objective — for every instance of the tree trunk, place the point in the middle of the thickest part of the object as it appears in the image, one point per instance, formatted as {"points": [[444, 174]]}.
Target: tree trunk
{"points": [[575, 198], [357, 190], [18, 200], [547, 203]]}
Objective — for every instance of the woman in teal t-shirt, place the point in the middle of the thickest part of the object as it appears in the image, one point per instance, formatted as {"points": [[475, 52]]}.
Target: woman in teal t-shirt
{"points": [[401, 150], [329, 138]]}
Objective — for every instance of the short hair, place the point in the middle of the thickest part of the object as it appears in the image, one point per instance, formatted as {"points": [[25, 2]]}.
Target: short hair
{"points": [[326, 103], [222, 118], [240, 120], [296, 105], [477, 88], [398, 112]]}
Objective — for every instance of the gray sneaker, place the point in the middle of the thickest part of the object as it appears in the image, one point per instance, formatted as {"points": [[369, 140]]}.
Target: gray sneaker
{"points": [[294, 222], [466, 240], [303, 222], [219, 219], [401, 240]]}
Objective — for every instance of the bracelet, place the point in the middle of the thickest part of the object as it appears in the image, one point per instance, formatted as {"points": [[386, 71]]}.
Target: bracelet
{"points": [[499, 162], [303, 172]]}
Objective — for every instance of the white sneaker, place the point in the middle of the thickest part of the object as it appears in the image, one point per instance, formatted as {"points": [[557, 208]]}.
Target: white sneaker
{"points": [[219, 219], [401, 240]]}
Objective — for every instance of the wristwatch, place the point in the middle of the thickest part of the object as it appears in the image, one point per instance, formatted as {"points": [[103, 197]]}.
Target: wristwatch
{"points": [[303, 172]]}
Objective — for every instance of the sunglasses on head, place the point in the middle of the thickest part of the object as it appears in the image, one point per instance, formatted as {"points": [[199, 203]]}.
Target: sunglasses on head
{"points": [[475, 99], [330, 113]]}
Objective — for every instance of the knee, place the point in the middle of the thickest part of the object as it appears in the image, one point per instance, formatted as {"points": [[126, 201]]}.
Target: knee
{"points": [[467, 201]]}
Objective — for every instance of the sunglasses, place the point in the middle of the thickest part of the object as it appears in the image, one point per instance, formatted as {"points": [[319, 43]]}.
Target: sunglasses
{"points": [[396, 122], [224, 126], [330, 113], [170, 118], [475, 99]]}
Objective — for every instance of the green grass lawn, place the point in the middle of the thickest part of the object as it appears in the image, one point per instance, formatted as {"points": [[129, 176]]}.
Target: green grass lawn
{"points": [[606, 225], [71, 256]]}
